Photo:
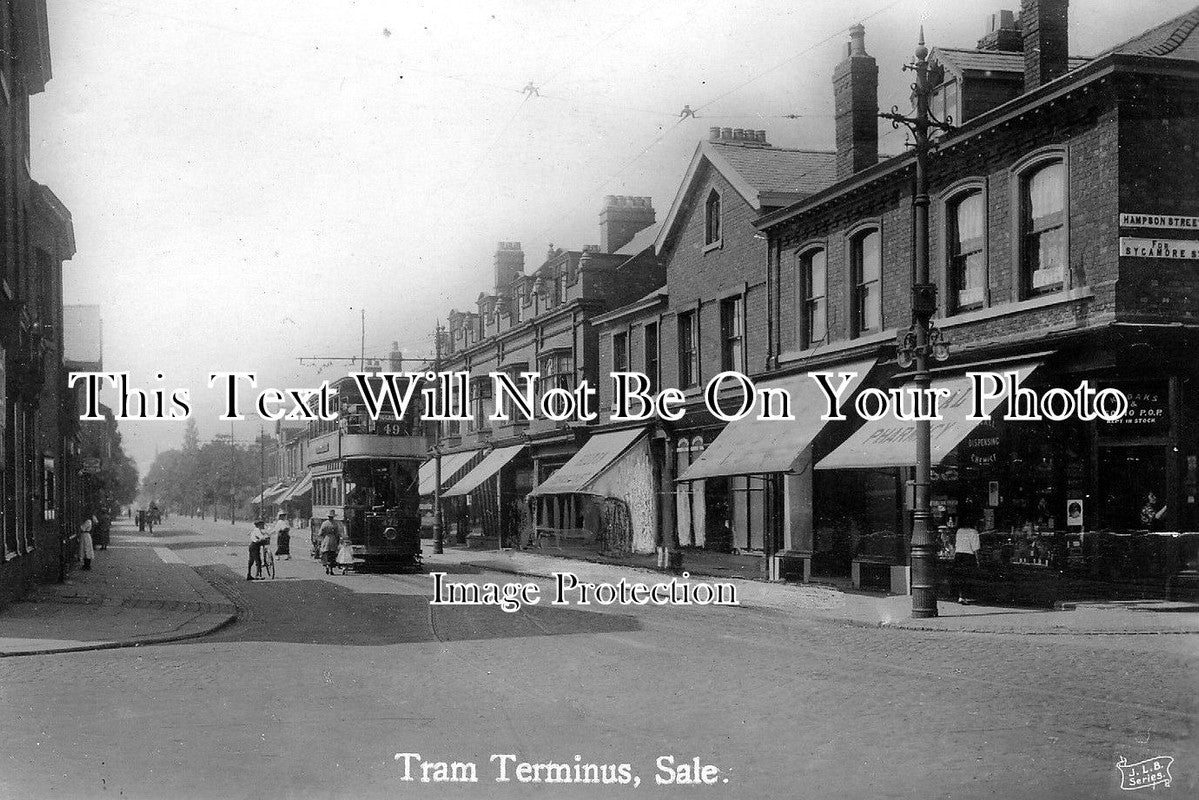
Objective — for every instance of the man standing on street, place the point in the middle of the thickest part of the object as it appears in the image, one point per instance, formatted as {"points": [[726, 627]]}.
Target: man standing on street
{"points": [[329, 538], [257, 537]]}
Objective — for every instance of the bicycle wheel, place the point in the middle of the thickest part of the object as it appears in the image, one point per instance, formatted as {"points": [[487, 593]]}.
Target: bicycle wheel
{"points": [[268, 563]]}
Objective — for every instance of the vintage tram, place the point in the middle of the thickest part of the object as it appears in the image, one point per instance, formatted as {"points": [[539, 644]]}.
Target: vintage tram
{"points": [[367, 473]]}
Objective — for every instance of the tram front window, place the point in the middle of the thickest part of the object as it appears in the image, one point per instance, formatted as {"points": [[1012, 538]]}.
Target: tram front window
{"points": [[377, 484]]}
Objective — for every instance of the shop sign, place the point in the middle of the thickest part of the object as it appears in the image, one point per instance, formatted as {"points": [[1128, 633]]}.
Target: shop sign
{"points": [[1147, 415], [1170, 221], [91, 466], [981, 446], [1135, 246]]}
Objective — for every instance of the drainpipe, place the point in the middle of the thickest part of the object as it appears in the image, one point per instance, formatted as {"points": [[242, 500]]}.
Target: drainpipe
{"points": [[670, 555]]}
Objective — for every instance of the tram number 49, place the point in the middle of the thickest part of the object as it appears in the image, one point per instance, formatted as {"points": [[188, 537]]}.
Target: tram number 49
{"points": [[384, 428]]}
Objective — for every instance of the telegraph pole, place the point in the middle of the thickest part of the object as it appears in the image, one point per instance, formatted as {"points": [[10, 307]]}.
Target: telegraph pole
{"points": [[438, 532], [261, 471], [922, 339], [232, 470]]}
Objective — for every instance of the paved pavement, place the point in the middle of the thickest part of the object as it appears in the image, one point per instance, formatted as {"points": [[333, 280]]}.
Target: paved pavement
{"points": [[141, 592], [322, 680], [1139, 617], [138, 592]]}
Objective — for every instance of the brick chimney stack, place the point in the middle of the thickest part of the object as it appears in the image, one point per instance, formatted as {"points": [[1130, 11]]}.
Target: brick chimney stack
{"points": [[1043, 24], [1001, 32], [622, 218], [855, 100], [509, 262]]}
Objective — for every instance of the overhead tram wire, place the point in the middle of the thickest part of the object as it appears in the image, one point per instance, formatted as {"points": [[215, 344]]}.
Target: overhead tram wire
{"points": [[694, 113], [794, 56]]}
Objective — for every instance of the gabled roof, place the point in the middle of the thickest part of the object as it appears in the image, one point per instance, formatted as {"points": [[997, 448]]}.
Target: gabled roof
{"points": [[763, 176], [1174, 38], [960, 60]]}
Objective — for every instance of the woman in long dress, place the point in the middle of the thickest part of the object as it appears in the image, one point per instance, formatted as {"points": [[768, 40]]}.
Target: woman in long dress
{"points": [[87, 549]]}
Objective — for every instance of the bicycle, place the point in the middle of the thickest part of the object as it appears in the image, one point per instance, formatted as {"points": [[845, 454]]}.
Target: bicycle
{"points": [[268, 559]]}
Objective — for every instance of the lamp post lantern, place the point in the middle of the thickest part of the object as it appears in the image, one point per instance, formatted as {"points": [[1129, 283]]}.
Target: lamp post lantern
{"points": [[922, 339]]}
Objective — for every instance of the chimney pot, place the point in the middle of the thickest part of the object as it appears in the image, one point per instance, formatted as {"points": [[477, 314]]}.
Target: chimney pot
{"points": [[857, 40], [714, 134], [726, 134]]}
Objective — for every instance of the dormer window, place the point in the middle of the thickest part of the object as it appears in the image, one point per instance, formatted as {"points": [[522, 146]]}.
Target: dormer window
{"points": [[712, 219]]}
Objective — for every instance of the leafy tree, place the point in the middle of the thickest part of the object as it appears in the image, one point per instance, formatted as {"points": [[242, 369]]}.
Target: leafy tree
{"points": [[116, 483]]}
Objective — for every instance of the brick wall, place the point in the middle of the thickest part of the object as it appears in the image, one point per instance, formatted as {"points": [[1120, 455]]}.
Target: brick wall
{"points": [[1096, 140], [1159, 172], [699, 279]]}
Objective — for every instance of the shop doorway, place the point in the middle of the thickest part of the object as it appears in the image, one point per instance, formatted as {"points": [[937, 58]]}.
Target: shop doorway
{"points": [[1126, 476]]}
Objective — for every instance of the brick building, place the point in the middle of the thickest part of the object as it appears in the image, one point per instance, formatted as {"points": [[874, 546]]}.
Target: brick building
{"points": [[712, 318], [1052, 205], [538, 321], [38, 428]]}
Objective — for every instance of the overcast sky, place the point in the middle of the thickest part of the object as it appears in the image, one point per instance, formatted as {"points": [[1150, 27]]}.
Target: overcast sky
{"points": [[246, 176]]}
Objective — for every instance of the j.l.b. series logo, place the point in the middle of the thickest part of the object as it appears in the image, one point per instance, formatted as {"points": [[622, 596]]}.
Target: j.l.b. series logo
{"points": [[1148, 773]]}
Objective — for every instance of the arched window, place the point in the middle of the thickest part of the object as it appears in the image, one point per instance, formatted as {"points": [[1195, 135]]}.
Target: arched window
{"points": [[866, 267], [712, 218], [967, 255], [1043, 229], [813, 287]]}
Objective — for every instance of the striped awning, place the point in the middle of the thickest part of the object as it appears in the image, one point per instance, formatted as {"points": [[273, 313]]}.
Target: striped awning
{"points": [[451, 464], [268, 494], [493, 463], [297, 489], [593, 459]]}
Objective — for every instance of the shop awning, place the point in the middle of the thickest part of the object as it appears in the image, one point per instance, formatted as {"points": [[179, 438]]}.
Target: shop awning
{"points": [[297, 489], [268, 494], [450, 464], [890, 443], [752, 446], [493, 463], [600, 452]]}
